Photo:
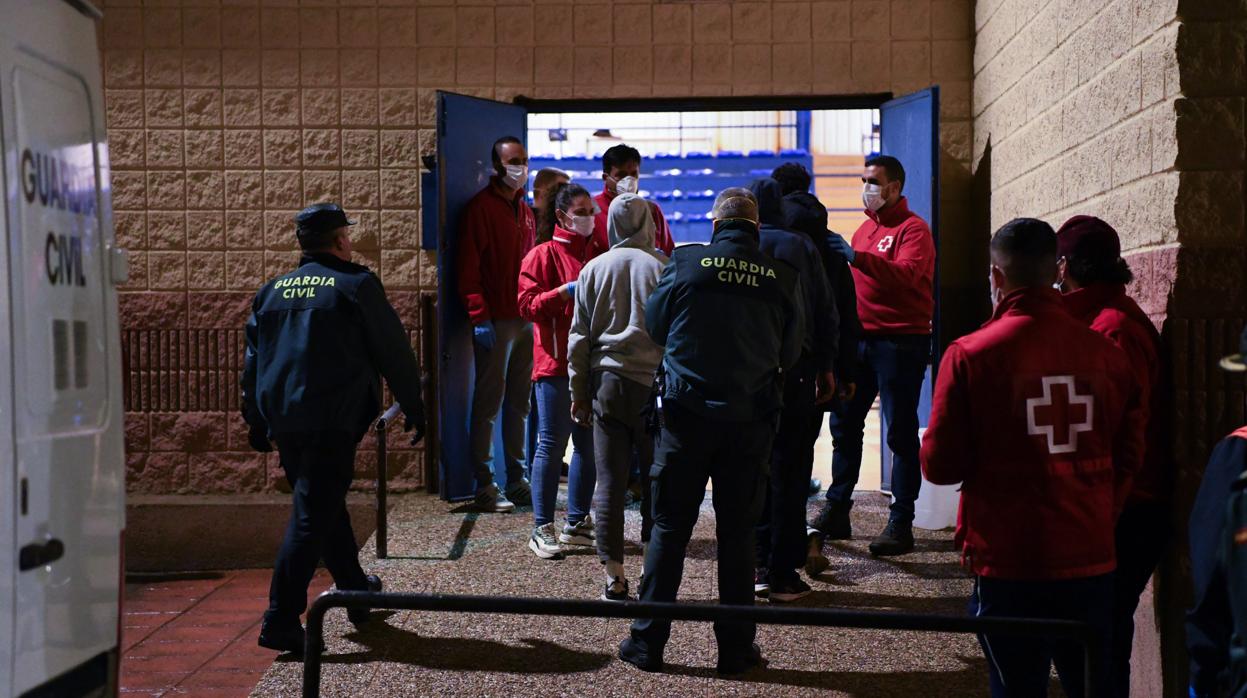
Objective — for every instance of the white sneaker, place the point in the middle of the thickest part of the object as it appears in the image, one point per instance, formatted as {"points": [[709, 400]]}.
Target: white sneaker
{"points": [[578, 534], [544, 544]]}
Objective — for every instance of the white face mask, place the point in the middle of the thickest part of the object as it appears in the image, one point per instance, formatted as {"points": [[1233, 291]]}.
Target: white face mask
{"points": [[627, 185], [516, 176], [871, 197], [581, 225]]}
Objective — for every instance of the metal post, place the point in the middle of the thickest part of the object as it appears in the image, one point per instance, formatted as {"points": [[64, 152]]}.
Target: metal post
{"points": [[382, 485]]}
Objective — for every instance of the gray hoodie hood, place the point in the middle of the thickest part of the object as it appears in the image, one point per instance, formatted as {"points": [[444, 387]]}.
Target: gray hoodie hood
{"points": [[630, 223]]}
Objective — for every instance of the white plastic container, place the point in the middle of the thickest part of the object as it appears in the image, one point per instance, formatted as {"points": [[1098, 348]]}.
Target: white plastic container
{"points": [[936, 507]]}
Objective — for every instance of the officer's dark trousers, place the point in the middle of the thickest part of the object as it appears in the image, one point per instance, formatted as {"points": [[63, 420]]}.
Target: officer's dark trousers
{"points": [[693, 450], [1142, 535], [893, 368], [780, 533], [319, 467], [503, 387], [1020, 666]]}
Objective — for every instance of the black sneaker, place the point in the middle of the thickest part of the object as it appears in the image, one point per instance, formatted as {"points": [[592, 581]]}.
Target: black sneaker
{"points": [[617, 590], [816, 486], [284, 638], [733, 665], [360, 616], [491, 500], [788, 587], [520, 492], [631, 652], [833, 522], [896, 539], [761, 582], [815, 561]]}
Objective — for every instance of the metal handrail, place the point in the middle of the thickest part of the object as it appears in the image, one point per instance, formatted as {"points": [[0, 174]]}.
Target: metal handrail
{"points": [[824, 617]]}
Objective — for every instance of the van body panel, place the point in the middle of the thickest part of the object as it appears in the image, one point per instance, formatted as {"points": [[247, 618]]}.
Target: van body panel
{"points": [[62, 501]]}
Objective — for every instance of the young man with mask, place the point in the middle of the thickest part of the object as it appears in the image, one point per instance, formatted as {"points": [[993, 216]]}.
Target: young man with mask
{"points": [[621, 174], [730, 321], [496, 231], [893, 261], [1039, 418], [1093, 277]]}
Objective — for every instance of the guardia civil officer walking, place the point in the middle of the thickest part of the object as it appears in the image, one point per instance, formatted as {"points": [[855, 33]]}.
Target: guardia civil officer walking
{"points": [[318, 342], [730, 320]]}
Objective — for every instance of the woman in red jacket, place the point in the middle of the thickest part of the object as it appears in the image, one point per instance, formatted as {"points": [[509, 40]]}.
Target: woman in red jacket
{"points": [[1093, 277], [547, 287]]}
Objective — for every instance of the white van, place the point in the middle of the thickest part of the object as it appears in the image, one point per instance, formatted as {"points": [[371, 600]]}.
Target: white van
{"points": [[62, 468]]}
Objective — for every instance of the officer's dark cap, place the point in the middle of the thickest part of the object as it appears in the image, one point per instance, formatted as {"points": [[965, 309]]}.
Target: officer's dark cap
{"points": [[320, 218]]}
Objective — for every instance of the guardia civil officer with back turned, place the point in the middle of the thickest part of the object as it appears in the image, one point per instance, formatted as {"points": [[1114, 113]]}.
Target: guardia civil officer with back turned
{"points": [[730, 320], [318, 342]]}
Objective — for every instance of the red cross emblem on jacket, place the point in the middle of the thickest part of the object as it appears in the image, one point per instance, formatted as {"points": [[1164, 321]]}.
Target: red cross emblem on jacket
{"points": [[1052, 416]]}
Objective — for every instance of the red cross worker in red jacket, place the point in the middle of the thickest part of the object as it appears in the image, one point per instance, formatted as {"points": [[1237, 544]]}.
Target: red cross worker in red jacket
{"points": [[621, 174], [1039, 418], [1093, 277], [893, 261], [496, 231]]}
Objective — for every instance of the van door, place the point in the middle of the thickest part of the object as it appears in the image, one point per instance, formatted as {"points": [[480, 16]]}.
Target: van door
{"points": [[68, 494]]}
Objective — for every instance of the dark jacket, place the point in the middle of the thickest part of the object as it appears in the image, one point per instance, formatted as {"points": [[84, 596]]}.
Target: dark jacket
{"points": [[318, 341], [1212, 641], [730, 321], [804, 213], [822, 321]]}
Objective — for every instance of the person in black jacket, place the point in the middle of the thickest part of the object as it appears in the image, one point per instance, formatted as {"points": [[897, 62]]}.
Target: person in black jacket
{"points": [[780, 533], [803, 212], [731, 324], [318, 341]]}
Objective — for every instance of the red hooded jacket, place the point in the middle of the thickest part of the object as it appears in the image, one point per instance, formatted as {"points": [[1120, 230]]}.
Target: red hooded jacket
{"points": [[1039, 418], [600, 244], [545, 270], [1108, 310], [894, 270], [494, 236]]}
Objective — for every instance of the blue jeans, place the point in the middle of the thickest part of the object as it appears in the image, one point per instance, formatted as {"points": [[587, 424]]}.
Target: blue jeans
{"points": [[554, 426], [892, 367]]}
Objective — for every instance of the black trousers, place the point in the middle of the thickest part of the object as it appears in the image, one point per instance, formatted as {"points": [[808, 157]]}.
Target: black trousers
{"points": [[1020, 666], [780, 533], [1142, 535], [692, 451], [319, 467]]}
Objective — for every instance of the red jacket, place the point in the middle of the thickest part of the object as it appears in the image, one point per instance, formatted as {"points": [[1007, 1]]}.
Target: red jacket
{"points": [[894, 270], [545, 270], [662, 232], [1108, 310], [494, 235], [1038, 417]]}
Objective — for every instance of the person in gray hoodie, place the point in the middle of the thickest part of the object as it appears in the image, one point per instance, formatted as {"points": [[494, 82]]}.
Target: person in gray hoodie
{"points": [[611, 366]]}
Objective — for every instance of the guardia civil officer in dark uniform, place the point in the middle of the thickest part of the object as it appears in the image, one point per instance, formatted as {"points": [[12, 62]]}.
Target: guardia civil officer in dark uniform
{"points": [[318, 342], [730, 319]]}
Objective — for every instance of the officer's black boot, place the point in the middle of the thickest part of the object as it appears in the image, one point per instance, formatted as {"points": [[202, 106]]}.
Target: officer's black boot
{"points": [[645, 659], [733, 665], [896, 539], [360, 616], [833, 522], [284, 637]]}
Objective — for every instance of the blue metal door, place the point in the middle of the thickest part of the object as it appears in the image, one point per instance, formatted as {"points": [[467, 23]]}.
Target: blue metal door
{"points": [[466, 130], [909, 130]]}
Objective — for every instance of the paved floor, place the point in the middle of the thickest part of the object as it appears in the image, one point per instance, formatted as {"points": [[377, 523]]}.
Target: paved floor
{"points": [[437, 547], [195, 635]]}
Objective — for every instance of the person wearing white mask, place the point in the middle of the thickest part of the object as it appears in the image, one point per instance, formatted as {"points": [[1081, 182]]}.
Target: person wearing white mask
{"points": [[496, 231], [621, 174], [892, 257], [547, 289]]}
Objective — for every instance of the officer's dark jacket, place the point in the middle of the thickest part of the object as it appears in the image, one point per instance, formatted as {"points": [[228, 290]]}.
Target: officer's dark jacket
{"points": [[822, 321], [318, 340], [730, 320], [1216, 624], [803, 212]]}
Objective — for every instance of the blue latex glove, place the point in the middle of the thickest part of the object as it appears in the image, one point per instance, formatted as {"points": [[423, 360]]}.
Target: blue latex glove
{"points": [[483, 335], [571, 289], [838, 244]]}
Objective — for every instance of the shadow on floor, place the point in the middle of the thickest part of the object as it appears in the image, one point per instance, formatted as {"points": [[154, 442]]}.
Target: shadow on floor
{"points": [[390, 644], [968, 680]]}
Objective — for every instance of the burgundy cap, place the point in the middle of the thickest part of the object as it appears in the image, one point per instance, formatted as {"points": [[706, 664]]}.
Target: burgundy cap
{"points": [[1087, 237]]}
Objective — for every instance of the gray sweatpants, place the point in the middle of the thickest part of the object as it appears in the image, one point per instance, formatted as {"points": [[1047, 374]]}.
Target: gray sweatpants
{"points": [[621, 409], [503, 383]]}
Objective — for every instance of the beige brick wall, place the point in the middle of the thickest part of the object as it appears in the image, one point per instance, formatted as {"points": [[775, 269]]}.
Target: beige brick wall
{"points": [[224, 120]]}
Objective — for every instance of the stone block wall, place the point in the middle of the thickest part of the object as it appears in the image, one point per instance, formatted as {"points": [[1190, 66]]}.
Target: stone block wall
{"points": [[226, 118], [1133, 110]]}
